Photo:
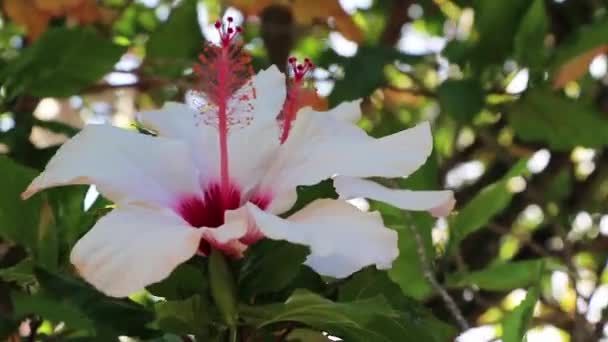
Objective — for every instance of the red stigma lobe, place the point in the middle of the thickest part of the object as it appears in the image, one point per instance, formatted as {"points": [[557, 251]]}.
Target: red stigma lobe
{"points": [[228, 32], [290, 107]]}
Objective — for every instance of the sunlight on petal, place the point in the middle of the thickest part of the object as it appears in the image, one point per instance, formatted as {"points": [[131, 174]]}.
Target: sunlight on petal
{"points": [[359, 203]]}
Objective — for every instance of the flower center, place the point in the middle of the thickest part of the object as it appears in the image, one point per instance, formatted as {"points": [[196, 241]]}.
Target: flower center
{"points": [[208, 211]]}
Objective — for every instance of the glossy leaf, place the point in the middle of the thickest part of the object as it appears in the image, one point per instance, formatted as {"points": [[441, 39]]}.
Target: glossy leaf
{"points": [[530, 38], [18, 219], [184, 282], [562, 124], [489, 202], [462, 99], [361, 320], [111, 316], [175, 45], [499, 277], [62, 62], [270, 266], [515, 323]]}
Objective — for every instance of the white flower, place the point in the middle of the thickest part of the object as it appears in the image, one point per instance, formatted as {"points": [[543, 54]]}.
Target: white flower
{"points": [[172, 200]]}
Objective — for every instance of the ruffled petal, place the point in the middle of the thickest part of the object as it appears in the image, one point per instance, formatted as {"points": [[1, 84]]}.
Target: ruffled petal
{"points": [[124, 165], [342, 239], [325, 144], [133, 247], [438, 203]]}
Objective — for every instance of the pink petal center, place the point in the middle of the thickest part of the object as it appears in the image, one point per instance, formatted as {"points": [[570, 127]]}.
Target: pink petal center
{"points": [[209, 211]]}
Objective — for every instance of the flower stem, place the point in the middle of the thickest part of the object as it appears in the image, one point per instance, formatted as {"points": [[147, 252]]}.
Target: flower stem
{"points": [[233, 334]]}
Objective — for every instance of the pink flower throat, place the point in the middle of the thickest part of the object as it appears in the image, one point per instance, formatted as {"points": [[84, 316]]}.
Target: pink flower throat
{"points": [[208, 211]]}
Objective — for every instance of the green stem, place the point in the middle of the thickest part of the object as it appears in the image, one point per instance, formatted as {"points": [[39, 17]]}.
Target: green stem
{"points": [[223, 287], [233, 334]]}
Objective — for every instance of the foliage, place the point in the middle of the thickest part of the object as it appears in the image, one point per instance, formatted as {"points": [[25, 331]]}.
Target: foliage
{"points": [[520, 127]]}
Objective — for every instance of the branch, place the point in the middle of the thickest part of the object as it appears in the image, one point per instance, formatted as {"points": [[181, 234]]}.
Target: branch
{"points": [[430, 277], [428, 274], [398, 18]]}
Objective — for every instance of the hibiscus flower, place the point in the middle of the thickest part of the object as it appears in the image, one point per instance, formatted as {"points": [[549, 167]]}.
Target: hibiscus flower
{"points": [[221, 169]]}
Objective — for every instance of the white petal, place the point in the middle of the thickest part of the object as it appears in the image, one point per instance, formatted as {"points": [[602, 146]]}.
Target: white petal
{"points": [[270, 91], [321, 146], [347, 111], [133, 247], [252, 148], [439, 203], [125, 166], [342, 239], [180, 122]]}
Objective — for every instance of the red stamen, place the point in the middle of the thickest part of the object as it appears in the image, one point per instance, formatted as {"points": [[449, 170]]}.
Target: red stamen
{"points": [[290, 108], [223, 70]]}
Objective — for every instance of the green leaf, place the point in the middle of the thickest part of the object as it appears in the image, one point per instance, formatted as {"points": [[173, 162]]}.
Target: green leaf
{"points": [[500, 277], [184, 317], [47, 246], [50, 309], [560, 186], [177, 42], [407, 268], [184, 282], [111, 316], [494, 22], [223, 288], [365, 72], [489, 202], [62, 62], [562, 124], [462, 99], [307, 194], [21, 273], [18, 218], [530, 38], [361, 320], [515, 324], [269, 266], [370, 282], [583, 40], [306, 335]]}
